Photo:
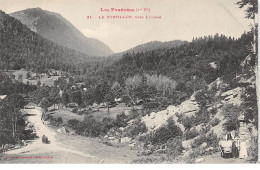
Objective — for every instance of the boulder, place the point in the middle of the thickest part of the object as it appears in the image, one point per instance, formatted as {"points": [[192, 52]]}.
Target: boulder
{"points": [[62, 130], [187, 144], [204, 144], [111, 138], [9, 146], [199, 160], [186, 154], [115, 141], [209, 149], [17, 146], [132, 144], [125, 139]]}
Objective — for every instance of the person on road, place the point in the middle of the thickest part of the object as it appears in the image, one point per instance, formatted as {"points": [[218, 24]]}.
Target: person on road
{"points": [[43, 138], [237, 144], [243, 150]]}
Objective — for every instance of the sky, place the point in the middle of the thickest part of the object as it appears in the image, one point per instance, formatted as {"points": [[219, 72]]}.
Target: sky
{"points": [[180, 19]]}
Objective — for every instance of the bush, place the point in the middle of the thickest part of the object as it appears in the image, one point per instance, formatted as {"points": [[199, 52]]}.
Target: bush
{"points": [[253, 149], [72, 123], [195, 152], [91, 127], [187, 122], [174, 147], [121, 120], [108, 123], [74, 110], [190, 134], [231, 113], [231, 125], [59, 120], [214, 111], [210, 138], [166, 132], [133, 114], [206, 96], [200, 117], [152, 105], [136, 128], [55, 121], [214, 122], [149, 160]]}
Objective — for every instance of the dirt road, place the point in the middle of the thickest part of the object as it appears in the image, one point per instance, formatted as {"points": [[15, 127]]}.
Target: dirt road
{"points": [[65, 148]]}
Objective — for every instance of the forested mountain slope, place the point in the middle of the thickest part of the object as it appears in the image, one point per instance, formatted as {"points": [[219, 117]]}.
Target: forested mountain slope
{"points": [[23, 48], [150, 46], [56, 28], [202, 60]]}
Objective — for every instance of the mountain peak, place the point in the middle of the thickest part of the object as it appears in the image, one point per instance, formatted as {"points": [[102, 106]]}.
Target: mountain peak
{"points": [[56, 28]]}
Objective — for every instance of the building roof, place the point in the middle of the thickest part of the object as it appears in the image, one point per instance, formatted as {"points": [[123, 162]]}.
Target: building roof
{"points": [[2, 97]]}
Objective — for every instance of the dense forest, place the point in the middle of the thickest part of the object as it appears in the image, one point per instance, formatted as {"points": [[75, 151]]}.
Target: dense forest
{"points": [[150, 46], [22, 48], [185, 69], [191, 59]]}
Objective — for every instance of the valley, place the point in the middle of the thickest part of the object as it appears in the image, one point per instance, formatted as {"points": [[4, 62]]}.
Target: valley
{"points": [[159, 102]]}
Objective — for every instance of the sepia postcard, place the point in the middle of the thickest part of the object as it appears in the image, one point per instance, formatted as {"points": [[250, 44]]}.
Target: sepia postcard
{"points": [[129, 81]]}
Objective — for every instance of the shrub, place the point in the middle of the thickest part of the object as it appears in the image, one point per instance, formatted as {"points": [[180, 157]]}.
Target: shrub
{"points": [[59, 120], [214, 122], [187, 122], [55, 121], [133, 114], [108, 123], [200, 117], [190, 134], [72, 123], [121, 120], [149, 160], [231, 113], [166, 132], [91, 127], [231, 124], [195, 152], [126, 99], [136, 128], [214, 111], [74, 110], [164, 103], [201, 98], [253, 149], [206, 96], [174, 147], [210, 138], [152, 105]]}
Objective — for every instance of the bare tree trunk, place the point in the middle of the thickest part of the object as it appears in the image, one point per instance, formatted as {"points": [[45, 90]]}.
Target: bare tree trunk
{"points": [[13, 126]]}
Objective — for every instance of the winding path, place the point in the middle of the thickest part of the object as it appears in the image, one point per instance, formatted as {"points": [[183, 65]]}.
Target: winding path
{"points": [[38, 148]]}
